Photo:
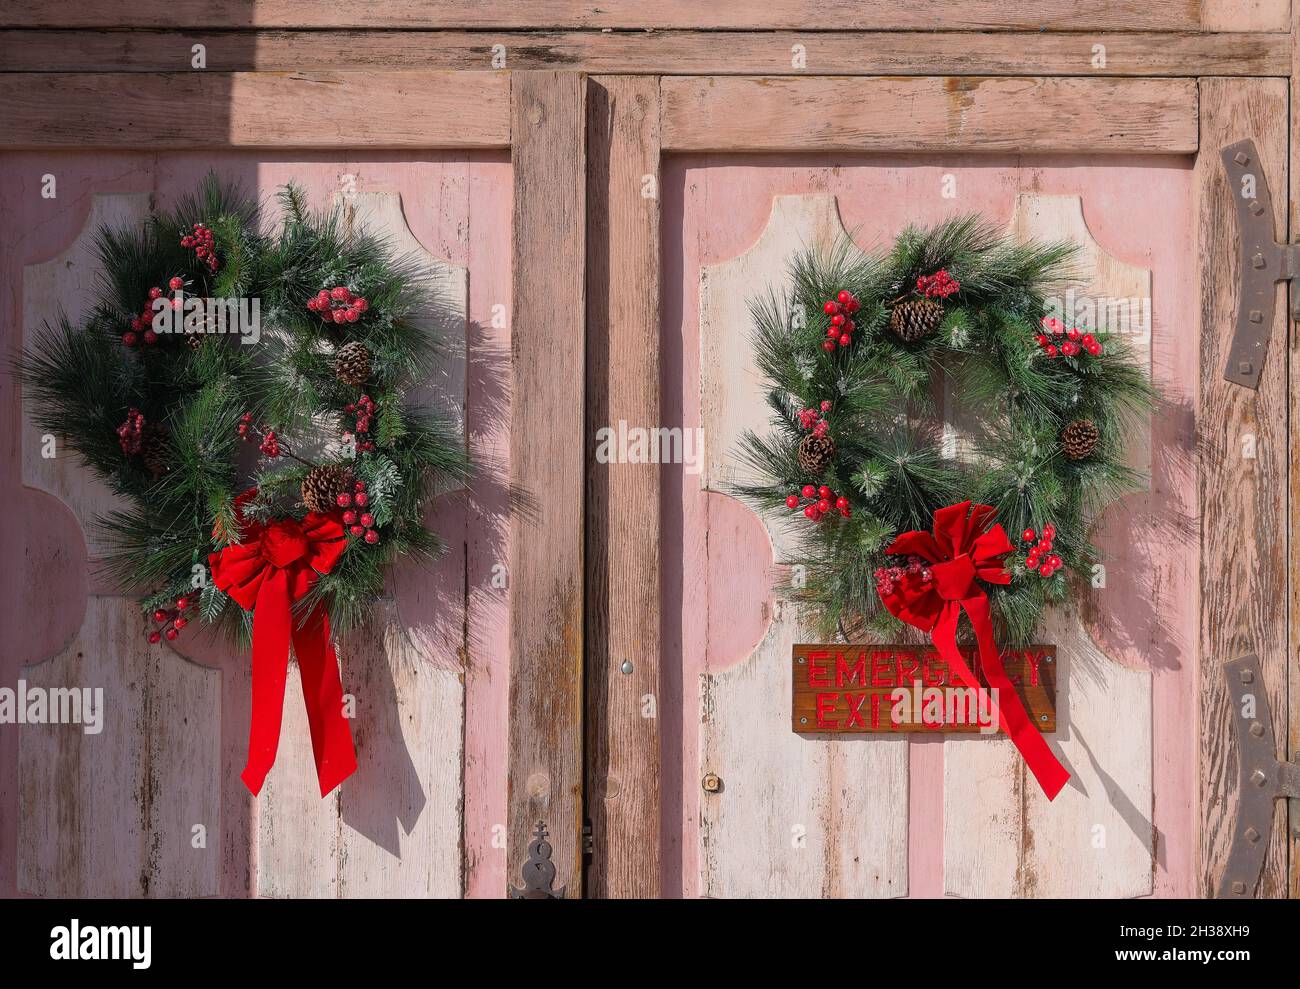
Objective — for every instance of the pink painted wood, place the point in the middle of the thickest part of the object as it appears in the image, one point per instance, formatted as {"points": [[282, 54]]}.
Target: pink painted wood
{"points": [[717, 603], [458, 207]]}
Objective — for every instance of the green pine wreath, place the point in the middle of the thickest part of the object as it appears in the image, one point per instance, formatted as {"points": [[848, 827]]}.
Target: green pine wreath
{"points": [[181, 424], [855, 358]]}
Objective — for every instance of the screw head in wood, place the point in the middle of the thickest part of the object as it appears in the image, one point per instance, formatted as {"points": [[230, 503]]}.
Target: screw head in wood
{"points": [[1247, 676], [712, 783], [627, 666], [1256, 728], [1259, 777], [1241, 158], [1245, 367], [1252, 835], [1239, 888]]}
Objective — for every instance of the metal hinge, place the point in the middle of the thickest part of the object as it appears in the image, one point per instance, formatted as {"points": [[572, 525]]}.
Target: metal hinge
{"points": [[1263, 262], [1263, 779]]}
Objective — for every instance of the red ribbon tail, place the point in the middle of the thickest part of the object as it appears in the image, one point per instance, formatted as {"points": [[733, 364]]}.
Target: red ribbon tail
{"points": [[1028, 740], [322, 690], [272, 624]]}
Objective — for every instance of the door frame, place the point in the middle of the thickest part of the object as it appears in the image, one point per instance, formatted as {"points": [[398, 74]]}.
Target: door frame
{"points": [[586, 330], [729, 114]]}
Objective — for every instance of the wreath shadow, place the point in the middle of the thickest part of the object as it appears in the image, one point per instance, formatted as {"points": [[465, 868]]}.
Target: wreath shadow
{"points": [[414, 660]]}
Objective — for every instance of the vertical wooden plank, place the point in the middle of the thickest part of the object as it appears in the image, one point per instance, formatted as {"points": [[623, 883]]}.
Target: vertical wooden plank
{"points": [[393, 829], [794, 816], [1004, 838], [1242, 439], [110, 812], [1293, 497], [622, 510], [548, 127]]}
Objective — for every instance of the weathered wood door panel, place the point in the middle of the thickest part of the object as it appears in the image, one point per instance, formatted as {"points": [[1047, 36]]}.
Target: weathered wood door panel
{"points": [[797, 816], [117, 813]]}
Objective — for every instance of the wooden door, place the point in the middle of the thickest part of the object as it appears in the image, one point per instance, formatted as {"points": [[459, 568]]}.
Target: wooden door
{"points": [[885, 817], [152, 805]]}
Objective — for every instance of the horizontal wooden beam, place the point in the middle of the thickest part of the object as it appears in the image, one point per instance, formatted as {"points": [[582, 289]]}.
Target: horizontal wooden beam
{"points": [[659, 53], [397, 109], [809, 15], [1093, 116]]}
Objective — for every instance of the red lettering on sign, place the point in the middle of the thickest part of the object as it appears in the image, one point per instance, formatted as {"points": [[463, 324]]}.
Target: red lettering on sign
{"points": [[855, 709], [875, 710], [1033, 659], [906, 670], [824, 708], [818, 675], [850, 676], [881, 664]]}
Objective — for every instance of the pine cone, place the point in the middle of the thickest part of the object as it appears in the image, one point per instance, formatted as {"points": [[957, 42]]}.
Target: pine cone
{"points": [[914, 320], [1079, 438], [154, 451], [816, 454], [352, 363], [323, 485]]}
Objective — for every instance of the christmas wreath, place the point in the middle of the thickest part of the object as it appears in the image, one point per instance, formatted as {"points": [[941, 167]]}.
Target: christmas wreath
{"points": [[241, 383], [856, 356]]}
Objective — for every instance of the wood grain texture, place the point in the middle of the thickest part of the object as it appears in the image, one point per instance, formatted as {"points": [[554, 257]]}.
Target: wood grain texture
{"points": [[1242, 442], [929, 114], [622, 508], [1104, 816], [795, 816], [379, 109], [547, 466], [394, 828], [113, 814], [776, 53], [1064, 15], [1293, 494], [67, 284]]}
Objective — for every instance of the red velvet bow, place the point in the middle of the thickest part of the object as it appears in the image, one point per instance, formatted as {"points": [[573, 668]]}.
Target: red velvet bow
{"points": [[964, 549], [271, 567]]}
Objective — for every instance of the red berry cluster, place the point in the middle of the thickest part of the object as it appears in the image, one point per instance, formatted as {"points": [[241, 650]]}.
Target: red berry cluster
{"points": [[360, 523], [130, 434], [1075, 340], [840, 310], [888, 577], [815, 419], [820, 502], [142, 325], [1040, 556], [171, 620], [363, 408], [338, 305], [249, 431], [204, 243], [940, 285]]}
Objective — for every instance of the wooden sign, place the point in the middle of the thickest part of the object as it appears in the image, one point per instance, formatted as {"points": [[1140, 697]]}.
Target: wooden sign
{"points": [[867, 689]]}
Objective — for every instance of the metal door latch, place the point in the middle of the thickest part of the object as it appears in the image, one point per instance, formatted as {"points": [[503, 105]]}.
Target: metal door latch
{"points": [[539, 871], [1263, 262], [1263, 779]]}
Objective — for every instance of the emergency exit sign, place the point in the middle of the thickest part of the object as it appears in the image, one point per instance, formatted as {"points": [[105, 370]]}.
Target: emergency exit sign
{"points": [[868, 689]]}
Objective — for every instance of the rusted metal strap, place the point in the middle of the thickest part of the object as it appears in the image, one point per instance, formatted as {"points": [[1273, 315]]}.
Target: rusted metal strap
{"points": [[1263, 779], [1263, 262]]}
